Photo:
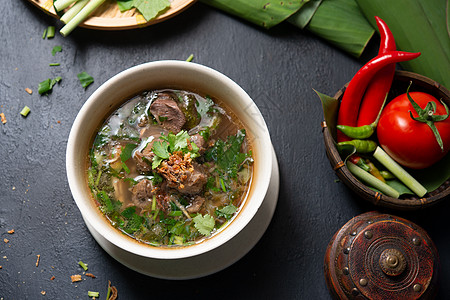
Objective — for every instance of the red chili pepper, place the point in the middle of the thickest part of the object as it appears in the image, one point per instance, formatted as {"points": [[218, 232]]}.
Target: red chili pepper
{"points": [[348, 111], [381, 82]]}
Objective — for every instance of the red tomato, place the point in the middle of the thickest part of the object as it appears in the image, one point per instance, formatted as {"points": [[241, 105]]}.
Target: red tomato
{"points": [[409, 142]]}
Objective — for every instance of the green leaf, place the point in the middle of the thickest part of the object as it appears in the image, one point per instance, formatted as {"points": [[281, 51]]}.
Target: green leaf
{"points": [[330, 107], [156, 162], [302, 17], [56, 49], [151, 8], [125, 5], [161, 149], [433, 177], [85, 79], [127, 152], [204, 224], [399, 187], [418, 26], [227, 212], [342, 24], [261, 12], [46, 86]]}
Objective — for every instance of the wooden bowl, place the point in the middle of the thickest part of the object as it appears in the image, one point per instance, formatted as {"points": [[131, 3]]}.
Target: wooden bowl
{"points": [[410, 202]]}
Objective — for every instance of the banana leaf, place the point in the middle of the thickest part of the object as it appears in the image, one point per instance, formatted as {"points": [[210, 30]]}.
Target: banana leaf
{"points": [[418, 26], [302, 17], [266, 13], [431, 178], [342, 23]]}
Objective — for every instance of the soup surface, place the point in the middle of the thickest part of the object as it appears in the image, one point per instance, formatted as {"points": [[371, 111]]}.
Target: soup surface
{"points": [[170, 167]]}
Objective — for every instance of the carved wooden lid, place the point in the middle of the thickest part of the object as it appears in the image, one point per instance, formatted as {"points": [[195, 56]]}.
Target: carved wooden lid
{"points": [[379, 256]]}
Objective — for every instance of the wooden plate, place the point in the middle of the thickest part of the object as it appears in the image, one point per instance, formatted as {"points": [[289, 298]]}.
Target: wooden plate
{"points": [[109, 17]]}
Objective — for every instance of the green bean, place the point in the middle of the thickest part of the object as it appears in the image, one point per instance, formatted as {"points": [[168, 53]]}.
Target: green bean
{"points": [[361, 146]]}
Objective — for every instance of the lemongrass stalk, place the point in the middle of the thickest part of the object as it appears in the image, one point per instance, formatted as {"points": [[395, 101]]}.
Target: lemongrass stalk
{"points": [[62, 4], [399, 172], [73, 11], [372, 181], [81, 16]]}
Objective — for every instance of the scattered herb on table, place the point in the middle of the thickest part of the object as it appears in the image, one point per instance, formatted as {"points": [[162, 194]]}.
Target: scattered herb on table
{"points": [[85, 79], [93, 294], [25, 111], [83, 265], [56, 49], [190, 58], [49, 32], [46, 86]]}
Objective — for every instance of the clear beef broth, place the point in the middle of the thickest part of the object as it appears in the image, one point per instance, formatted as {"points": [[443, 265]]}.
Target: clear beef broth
{"points": [[170, 167]]}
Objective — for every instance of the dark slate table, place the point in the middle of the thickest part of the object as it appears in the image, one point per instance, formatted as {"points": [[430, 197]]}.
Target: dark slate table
{"points": [[278, 69]]}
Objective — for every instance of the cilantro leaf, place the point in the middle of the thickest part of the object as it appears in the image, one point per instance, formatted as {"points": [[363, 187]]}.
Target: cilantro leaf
{"points": [[161, 149], [156, 162], [127, 152], [151, 8], [85, 79], [227, 155], [227, 212], [204, 224], [56, 49]]}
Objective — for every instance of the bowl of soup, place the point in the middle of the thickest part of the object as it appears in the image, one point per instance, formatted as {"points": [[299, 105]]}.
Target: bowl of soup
{"points": [[169, 160]]}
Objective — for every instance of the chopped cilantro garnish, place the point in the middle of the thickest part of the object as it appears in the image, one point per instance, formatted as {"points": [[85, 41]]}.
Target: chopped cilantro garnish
{"points": [[47, 85], [204, 107], [85, 79], [161, 149], [170, 144], [56, 49], [127, 152], [204, 224], [226, 212], [228, 156]]}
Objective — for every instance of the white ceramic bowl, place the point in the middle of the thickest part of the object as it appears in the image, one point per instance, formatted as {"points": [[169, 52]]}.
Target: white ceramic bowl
{"points": [[158, 75]]}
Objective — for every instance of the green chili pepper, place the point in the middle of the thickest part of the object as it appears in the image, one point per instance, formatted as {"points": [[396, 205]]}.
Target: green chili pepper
{"points": [[361, 146], [387, 175], [361, 132]]}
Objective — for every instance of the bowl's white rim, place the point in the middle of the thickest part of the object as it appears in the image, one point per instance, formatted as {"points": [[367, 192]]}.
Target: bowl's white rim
{"points": [[126, 243]]}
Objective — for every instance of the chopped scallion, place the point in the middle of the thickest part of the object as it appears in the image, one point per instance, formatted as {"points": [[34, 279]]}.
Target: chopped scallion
{"points": [[54, 64], [399, 172], [371, 180], [83, 265], [73, 11], [50, 32], [44, 34], [154, 203], [190, 58], [80, 17], [222, 184], [62, 4], [93, 294], [25, 111]]}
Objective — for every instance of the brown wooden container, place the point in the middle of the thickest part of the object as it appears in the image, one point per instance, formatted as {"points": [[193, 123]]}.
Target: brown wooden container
{"points": [[399, 86], [379, 256]]}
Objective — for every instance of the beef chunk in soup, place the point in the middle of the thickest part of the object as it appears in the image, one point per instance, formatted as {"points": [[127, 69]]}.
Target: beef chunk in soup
{"points": [[142, 193], [167, 113], [196, 204], [144, 158], [199, 142], [182, 174]]}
